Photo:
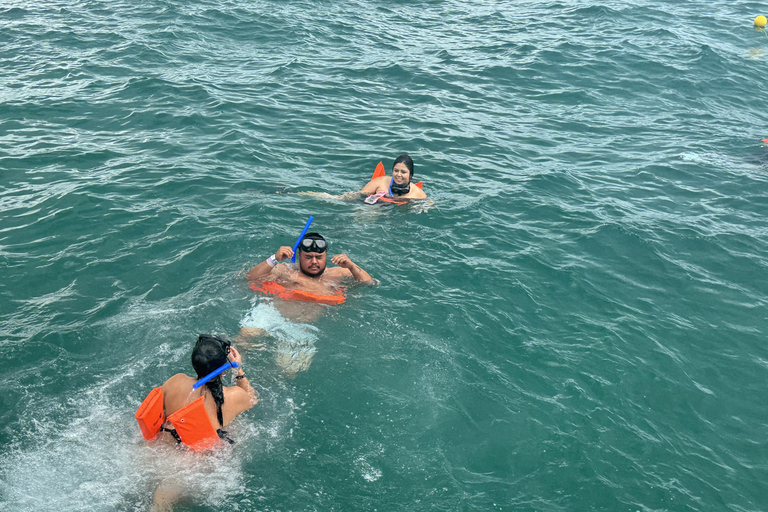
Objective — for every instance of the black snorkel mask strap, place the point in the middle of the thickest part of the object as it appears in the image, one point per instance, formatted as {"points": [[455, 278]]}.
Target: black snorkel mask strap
{"points": [[395, 189]]}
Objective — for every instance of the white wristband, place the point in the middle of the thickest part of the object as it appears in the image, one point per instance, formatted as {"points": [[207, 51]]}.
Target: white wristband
{"points": [[272, 261]]}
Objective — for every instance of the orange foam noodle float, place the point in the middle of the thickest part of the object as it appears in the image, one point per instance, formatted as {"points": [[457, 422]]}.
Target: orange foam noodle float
{"points": [[150, 414], [273, 288], [765, 140], [194, 426]]}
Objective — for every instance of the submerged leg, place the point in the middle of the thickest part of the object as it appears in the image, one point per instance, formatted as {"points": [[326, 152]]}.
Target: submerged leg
{"points": [[293, 357], [165, 497], [246, 336]]}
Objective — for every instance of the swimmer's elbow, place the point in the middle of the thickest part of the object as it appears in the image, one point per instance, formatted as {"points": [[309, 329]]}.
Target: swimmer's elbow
{"points": [[248, 402], [370, 188]]}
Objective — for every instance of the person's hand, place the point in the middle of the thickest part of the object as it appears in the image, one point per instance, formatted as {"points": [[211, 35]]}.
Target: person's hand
{"points": [[343, 261], [235, 356], [283, 253], [360, 275]]}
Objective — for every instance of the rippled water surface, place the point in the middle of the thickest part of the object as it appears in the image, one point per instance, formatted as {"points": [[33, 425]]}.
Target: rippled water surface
{"points": [[575, 321]]}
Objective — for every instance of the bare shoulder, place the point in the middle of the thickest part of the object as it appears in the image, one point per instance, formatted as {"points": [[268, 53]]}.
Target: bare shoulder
{"points": [[275, 274], [178, 381], [417, 193], [234, 393], [179, 377], [280, 270], [377, 183]]}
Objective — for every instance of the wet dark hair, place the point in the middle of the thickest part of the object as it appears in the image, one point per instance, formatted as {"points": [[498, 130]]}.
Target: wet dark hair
{"points": [[405, 159], [209, 354]]}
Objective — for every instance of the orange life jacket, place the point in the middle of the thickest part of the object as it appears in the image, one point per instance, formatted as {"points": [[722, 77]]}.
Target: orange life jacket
{"points": [[378, 173], [194, 426], [150, 414], [191, 422], [273, 288]]}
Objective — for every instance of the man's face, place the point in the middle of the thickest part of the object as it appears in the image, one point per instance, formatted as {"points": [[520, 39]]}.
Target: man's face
{"points": [[312, 263]]}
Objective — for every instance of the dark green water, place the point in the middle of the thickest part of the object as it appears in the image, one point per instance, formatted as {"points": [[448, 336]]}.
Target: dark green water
{"points": [[577, 323]]}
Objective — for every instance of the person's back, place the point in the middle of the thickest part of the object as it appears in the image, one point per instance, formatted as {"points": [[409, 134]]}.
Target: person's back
{"points": [[178, 392], [179, 412], [193, 411]]}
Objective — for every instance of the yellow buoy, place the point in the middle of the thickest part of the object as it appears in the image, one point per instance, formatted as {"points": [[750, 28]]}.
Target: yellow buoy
{"points": [[760, 21]]}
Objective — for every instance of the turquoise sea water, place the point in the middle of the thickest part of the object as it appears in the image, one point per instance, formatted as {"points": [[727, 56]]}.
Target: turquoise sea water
{"points": [[577, 323]]}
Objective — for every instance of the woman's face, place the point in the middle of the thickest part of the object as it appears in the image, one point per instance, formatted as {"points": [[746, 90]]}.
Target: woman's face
{"points": [[400, 174]]}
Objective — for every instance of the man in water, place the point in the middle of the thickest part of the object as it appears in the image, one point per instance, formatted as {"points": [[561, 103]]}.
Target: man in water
{"points": [[301, 294], [311, 275]]}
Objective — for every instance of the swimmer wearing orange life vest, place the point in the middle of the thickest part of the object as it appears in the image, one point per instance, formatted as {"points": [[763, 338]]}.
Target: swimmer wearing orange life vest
{"points": [[399, 185], [195, 415], [193, 411], [312, 281]]}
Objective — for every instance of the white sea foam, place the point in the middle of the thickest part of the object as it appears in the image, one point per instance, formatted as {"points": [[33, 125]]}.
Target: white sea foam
{"points": [[86, 453], [98, 461]]}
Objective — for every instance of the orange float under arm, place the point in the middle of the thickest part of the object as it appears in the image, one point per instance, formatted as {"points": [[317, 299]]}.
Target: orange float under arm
{"points": [[150, 414], [194, 426]]}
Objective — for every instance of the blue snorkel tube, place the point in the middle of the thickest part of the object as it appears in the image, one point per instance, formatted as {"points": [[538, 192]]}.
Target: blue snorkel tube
{"points": [[215, 373], [298, 241]]}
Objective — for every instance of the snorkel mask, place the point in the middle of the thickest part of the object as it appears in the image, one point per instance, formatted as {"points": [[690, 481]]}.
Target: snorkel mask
{"points": [[226, 345], [313, 245]]}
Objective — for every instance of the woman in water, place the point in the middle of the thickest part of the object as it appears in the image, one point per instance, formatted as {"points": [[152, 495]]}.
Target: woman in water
{"points": [[397, 186], [388, 188], [220, 405]]}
